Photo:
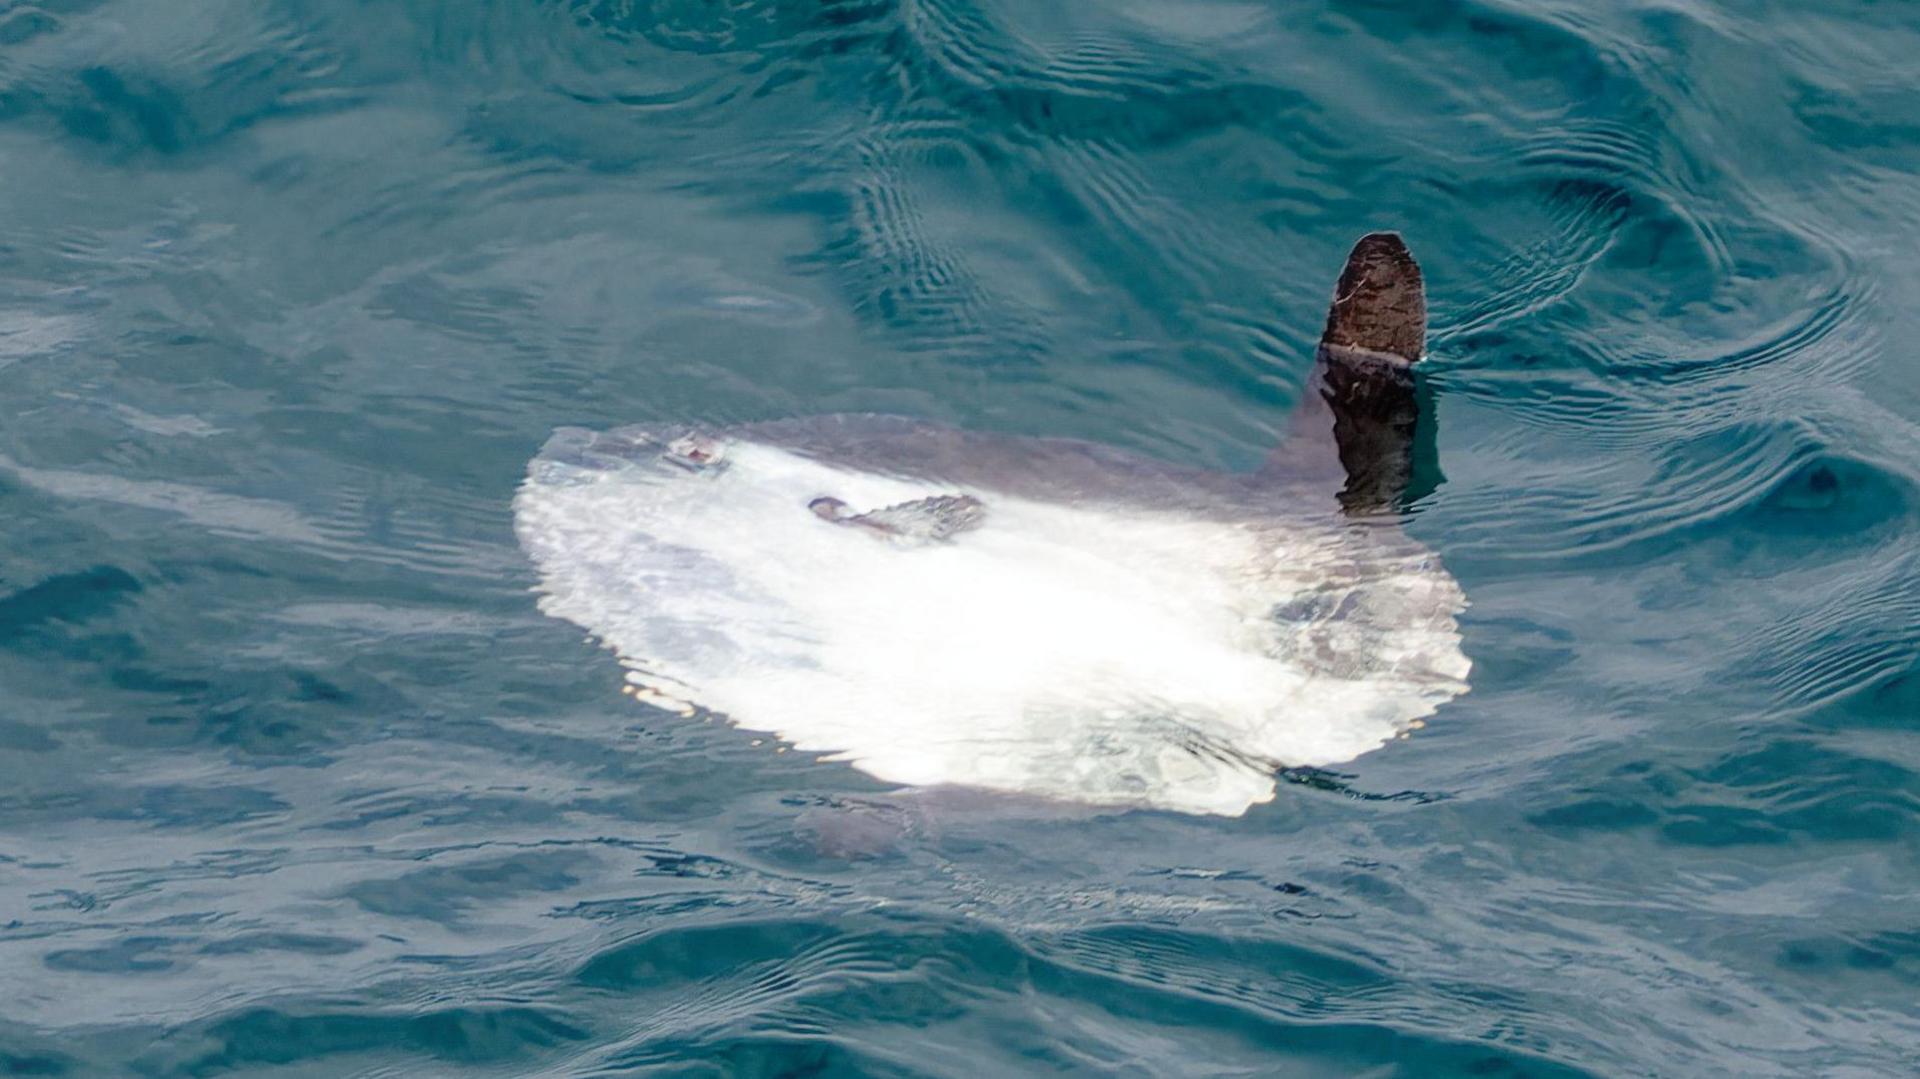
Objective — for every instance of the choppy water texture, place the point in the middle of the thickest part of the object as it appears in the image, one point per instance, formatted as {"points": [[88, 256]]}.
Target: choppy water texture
{"points": [[295, 778]]}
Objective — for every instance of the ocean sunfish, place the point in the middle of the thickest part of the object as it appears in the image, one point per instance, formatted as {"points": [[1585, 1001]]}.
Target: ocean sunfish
{"points": [[1037, 616]]}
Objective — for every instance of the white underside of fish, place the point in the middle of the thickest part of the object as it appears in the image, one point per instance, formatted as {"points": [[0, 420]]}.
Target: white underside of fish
{"points": [[1090, 651]]}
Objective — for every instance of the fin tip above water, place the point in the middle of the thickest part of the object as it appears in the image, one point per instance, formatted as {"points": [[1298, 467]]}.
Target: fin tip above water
{"points": [[1380, 302]]}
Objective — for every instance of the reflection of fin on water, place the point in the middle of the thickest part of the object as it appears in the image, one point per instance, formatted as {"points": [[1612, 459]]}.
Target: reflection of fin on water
{"points": [[929, 520]]}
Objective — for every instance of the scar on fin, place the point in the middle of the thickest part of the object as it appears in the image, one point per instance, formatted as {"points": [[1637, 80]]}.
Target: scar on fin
{"points": [[1376, 331]]}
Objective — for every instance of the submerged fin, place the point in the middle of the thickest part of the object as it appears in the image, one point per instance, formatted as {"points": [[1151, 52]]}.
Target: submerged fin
{"points": [[1363, 371]]}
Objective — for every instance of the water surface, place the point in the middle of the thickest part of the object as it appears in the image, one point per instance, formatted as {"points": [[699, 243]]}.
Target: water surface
{"points": [[295, 779]]}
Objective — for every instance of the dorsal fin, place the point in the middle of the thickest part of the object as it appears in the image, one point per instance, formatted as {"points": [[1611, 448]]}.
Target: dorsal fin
{"points": [[1363, 370], [1380, 302]]}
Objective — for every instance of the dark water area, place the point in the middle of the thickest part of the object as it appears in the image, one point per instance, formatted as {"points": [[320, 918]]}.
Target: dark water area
{"points": [[296, 780]]}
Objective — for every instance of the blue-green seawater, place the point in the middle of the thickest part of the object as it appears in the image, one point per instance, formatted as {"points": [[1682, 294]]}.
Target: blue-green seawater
{"points": [[296, 781]]}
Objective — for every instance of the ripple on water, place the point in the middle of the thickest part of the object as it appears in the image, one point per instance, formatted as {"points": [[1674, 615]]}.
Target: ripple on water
{"points": [[496, 1035], [301, 778], [64, 598], [163, 86], [1775, 788], [904, 273], [1572, 513], [1073, 85], [1582, 217], [737, 26], [1847, 632], [901, 992]]}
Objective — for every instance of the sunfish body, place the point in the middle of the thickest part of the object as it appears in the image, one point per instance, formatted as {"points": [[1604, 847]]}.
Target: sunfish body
{"points": [[1043, 617]]}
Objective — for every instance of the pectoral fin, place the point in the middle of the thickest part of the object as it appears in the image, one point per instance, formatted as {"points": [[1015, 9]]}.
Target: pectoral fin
{"points": [[927, 520]]}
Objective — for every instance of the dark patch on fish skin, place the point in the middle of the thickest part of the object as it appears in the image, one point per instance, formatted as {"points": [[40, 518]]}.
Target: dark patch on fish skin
{"points": [[1307, 607]]}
